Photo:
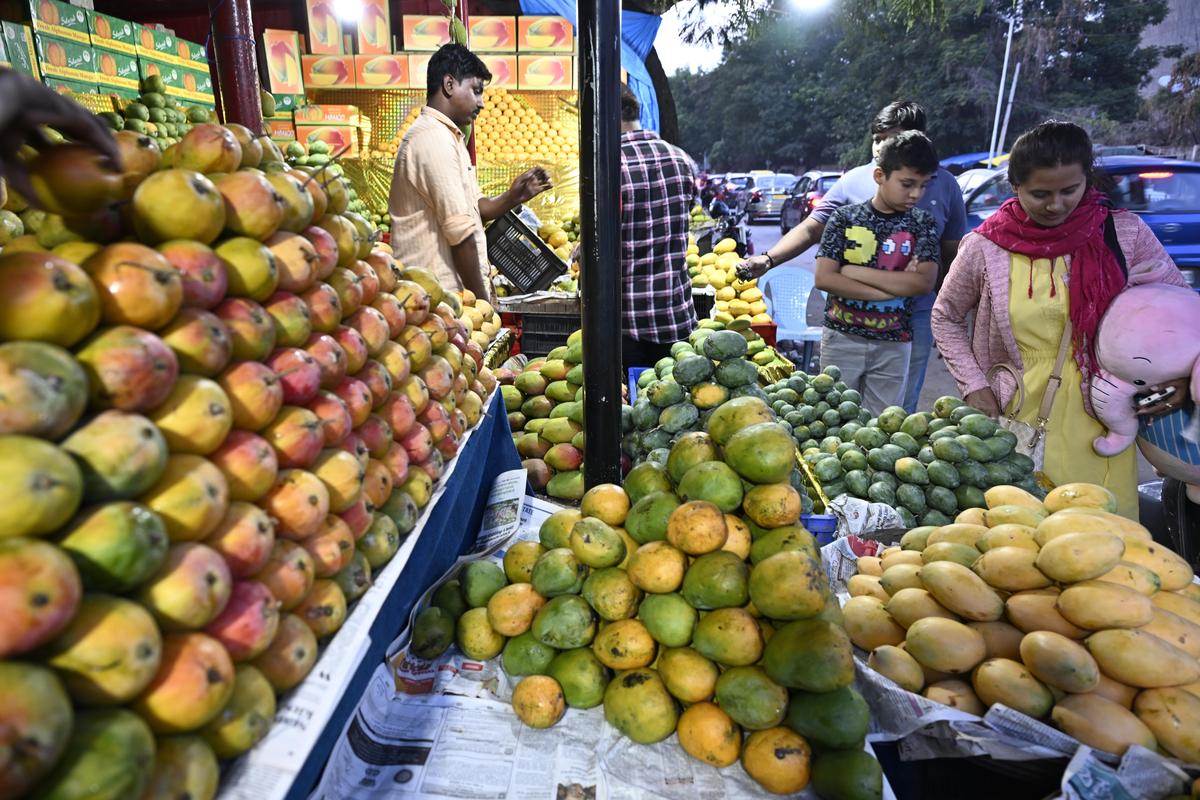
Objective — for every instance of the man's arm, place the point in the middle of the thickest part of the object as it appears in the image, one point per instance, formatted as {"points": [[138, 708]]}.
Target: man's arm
{"points": [[524, 188], [466, 263], [898, 284], [949, 251], [831, 279]]}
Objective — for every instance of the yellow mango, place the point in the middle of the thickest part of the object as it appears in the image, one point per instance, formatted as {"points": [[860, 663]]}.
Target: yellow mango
{"points": [[1011, 496], [899, 666], [959, 532], [1075, 557], [909, 605], [868, 586], [1010, 535], [1116, 691], [1037, 610], [1174, 572], [1191, 591], [962, 591], [956, 694], [917, 538], [868, 624], [1011, 569], [1080, 495], [900, 557], [1096, 605], [1081, 520], [1175, 631], [1174, 717], [970, 516], [1135, 576], [945, 645], [1100, 723], [887, 551], [1001, 639], [1002, 680], [869, 565], [950, 551], [1140, 659], [1060, 662], [1179, 604], [1014, 514], [901, 576], [1191, 688]]}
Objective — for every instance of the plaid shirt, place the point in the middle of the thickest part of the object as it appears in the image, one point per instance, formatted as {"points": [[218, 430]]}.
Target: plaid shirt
{"points": [[657, 190]]}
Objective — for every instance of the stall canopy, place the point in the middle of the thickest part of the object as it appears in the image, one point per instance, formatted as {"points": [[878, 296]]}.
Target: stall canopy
{"points": [[637, 37]]}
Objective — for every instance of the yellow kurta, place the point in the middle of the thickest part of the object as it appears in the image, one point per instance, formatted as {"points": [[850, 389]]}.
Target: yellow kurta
{"points": [[1037, 324]]}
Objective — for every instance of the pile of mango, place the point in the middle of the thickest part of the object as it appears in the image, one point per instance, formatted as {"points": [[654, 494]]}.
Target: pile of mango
{"points": [[545, 414], [690, 601], [682, 391], [1059, 609], [221, 409], [156, 114]]}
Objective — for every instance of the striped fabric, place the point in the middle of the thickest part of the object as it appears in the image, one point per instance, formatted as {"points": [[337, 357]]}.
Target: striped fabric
{"points": [[657, 190], [1166, 433], [434, 200]]}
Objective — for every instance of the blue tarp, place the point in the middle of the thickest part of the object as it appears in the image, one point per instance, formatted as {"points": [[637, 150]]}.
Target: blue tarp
{"points": [[966, 160], [637, 37]]}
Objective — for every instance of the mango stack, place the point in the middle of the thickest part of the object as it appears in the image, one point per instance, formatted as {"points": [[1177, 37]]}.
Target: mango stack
{"points": [[736, 299], [1059, 609], [221, 408], [690, 601]]}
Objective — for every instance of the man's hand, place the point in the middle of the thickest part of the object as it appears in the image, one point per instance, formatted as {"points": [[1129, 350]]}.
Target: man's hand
{"points": [[984, 400], [1174, 401], [529, 185], [753, 267], [25, 106]]}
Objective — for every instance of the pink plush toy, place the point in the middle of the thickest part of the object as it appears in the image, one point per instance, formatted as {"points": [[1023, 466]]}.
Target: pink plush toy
{"points": [[1150, 335]]}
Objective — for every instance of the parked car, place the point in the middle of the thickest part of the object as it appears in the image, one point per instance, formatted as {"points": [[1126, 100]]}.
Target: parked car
{"points": [[739, 185], [768, 195], [1164, 192], [972, 179], [803, 197]]}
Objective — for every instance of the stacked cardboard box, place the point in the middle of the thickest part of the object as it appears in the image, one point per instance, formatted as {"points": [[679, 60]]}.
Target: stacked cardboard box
{"points": [[342, 127], [18, 48], [182, 65], [63, 46], [115, 44]]}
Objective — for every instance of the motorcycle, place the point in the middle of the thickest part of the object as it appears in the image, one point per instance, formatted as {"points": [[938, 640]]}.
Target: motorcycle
{"points": [[730, 224]]}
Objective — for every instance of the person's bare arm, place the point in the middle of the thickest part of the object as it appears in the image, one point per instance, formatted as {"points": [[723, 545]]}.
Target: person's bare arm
{"points": [[466, 263], [794, 242], [899, 284], [526, 187], [831, 279]]}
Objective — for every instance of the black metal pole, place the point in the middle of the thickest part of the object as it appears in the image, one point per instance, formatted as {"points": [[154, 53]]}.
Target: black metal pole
{"points": [[600, 193]]}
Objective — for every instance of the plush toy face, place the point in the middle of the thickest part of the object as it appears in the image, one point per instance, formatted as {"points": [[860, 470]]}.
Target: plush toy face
{"points": [[1151, 334]]}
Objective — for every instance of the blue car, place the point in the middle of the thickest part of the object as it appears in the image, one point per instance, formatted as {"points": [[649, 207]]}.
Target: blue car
{"points": [[1164, 192]]}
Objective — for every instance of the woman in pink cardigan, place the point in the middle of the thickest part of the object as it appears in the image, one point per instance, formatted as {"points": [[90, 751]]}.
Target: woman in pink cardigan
{"points": [[1040, 260]]}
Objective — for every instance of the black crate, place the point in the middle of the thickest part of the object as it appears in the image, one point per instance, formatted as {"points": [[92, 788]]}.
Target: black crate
{"points": [[541, 333], [521, 256], [704, 304]]}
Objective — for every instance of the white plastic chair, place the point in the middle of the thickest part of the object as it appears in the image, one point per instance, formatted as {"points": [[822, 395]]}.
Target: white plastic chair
{"points": [[786, 291]]}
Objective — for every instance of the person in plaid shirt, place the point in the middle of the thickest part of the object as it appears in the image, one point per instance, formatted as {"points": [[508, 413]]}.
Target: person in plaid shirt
{"points": [[658, 187]]}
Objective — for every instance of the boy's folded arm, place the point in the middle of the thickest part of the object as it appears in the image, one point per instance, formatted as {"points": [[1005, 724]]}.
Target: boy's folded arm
{"points": [[831, 279], [899, 284]]}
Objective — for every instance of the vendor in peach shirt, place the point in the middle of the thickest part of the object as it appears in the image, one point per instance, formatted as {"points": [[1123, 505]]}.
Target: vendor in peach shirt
{"points": [[437, 208]]}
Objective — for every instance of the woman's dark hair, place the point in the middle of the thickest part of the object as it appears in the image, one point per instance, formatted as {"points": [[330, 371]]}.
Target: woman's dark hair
{"points": [[1051, 144], [631, 108], [910, 149], [903, 114], [456, 61]]}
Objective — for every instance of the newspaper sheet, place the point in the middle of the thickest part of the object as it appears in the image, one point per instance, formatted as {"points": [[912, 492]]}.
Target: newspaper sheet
{"points": [[445, 729]]}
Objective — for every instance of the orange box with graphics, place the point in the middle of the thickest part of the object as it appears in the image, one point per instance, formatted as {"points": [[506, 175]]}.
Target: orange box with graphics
{"points": [[336, 136], [418, 69], [282, 51], [493, 34], [375, 29], [280, 130], [325, 71], [324, 28], [63, 20], [549, 73], [326, 114], [545, 35], [425, 33], [385, 72], [503, 69]]}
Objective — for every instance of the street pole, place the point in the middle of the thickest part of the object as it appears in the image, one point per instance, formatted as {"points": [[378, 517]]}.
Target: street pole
{"points": [[1000, 92], [237, 67], [1012, 92], [600, 192]]}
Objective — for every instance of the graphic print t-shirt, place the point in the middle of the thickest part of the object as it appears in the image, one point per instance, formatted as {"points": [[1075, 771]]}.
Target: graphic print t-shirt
{"points": [[863, 236]]}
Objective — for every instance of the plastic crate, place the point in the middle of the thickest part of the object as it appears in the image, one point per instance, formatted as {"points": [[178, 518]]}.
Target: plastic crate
{"points": [[634, 374], [541, 333], [704, 304], [521, 256], [823, 527]]}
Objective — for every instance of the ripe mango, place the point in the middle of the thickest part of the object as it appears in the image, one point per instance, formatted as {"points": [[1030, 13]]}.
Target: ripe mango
{"points": [[917, 538], [1096, 605], [1037, 610], [869, 625], [1140, 659], [1100, 723], [1080, 495], [1001, 639], [1173, 571], [962, 591], [945, 645], [1014, 514], [963, 554], [869, 565], [1080, 520], [899, 666], [1173, 715], [1175, 631], [956, 694], [1116, 691], [1075, 557], [1011, 569], [1135, 576], [909, 605], [1011, 496], [1177, 603], [1060, 662], [1010, 535], [901, 576], [1001, 680], [867, 585], [959, 532]]}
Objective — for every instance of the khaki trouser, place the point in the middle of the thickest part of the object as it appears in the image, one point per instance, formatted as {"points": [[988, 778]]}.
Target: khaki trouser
{"points": [[877, 369]]}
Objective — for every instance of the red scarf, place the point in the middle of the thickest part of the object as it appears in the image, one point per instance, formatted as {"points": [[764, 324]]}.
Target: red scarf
{"points": [[1095, 276]]}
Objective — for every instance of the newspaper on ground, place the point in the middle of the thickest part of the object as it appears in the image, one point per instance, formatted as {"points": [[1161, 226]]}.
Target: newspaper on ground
{"points": [[857, 517], [445, 728]]}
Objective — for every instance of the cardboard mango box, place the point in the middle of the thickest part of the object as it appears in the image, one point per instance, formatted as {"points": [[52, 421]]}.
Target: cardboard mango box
{"points": [[64, 86], [281, 50], [426, 33], [281, 130], [192, 52], [117, 70], [158, 45], [18, 44], [382, 72], [170, 73], [537, 34], [61, 20], [287, 103], [327, 114], [324, 28], [3, 51], [493, 34], [418, 69], [374, 28], [544, 73], [336, 136], [503, 69], [111, 33], [194, 85], [65, 59], [321, 72]]}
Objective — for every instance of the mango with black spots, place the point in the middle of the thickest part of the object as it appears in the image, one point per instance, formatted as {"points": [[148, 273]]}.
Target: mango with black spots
{"points": [[645, 479], [596, 544], [525, 655], [612, 594], [731, 637], [717, 580], [761, 453], [565, 622], [638, 704], [708, 734], [558, 572], [788, 585], [751, 698], [581, 675], [772, 505], [647, 520], [688, 451]]}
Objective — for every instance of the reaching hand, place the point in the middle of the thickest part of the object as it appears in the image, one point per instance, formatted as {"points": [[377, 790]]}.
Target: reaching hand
{"points": [[985, 401], [530, 184], [25, 106], [753, 267]]}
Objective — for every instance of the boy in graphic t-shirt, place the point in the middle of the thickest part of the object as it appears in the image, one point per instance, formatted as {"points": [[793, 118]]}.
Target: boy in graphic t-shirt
{"points": [[874, 258]]}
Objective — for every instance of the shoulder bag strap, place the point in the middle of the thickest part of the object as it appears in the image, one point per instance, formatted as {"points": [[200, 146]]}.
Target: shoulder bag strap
{"points": [[1055, 381]]}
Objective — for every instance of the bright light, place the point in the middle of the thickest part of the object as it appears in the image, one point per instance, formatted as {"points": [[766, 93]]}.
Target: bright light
{"points": [[1150, 176], [348, 10], [811, 6]]}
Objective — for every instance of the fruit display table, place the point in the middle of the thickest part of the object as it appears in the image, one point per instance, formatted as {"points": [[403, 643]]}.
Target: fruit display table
{"points": [[287, 763]]}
